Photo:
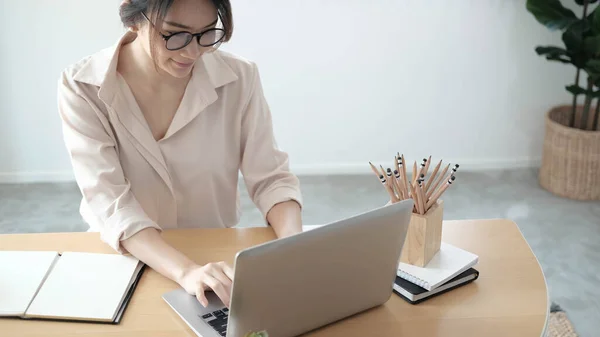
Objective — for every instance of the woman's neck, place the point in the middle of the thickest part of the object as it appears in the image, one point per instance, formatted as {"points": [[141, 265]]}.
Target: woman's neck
{"points": [[135, 63]]}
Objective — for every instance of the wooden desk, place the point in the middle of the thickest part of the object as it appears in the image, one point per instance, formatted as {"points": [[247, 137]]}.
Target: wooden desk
{"points": [[509, 298]]}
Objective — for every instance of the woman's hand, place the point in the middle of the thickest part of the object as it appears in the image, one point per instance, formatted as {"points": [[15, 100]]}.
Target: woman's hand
{"points": [[216, 276], [150, 247]]}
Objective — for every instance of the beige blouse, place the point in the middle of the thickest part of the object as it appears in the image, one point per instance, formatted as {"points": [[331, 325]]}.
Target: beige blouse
{"points": [[130, 181]]}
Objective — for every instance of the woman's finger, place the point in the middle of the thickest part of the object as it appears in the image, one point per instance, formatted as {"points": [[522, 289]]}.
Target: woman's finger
{"points": [[219, 288], [201, 297], [228, 271], [222, 277]]}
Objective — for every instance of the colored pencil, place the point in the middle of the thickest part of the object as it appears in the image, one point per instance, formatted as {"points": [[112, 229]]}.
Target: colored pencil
{"points": [[377, 173], [441, 191], [437, 182], [423, 189], [427, 166], [432, 177], [419, 189], [450, 175], [422, 167], [392, 182], [398, 182], [389, 183], [404, 177], [414, 176], [387, 188], [397, 174], [383, 181], [454, 169], [415, 198], [385, 174]]}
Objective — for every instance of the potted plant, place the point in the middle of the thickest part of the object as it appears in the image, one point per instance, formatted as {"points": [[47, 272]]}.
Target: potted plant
{"points": [[571, 154]]}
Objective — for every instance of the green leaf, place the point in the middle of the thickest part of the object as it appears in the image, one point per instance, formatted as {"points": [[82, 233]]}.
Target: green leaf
{"points": [[551, 13], [559, 59], [576, 90], [592, 67], [573, 36], [554, 54], [573, 40], [551, 51], [594, 19], [591, 45]]}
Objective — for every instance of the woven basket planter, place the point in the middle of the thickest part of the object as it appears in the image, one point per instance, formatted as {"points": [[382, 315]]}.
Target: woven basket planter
{"points": [[570, 159]]}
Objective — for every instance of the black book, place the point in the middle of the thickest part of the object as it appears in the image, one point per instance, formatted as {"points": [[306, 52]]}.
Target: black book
{"points": [[414, 294]]}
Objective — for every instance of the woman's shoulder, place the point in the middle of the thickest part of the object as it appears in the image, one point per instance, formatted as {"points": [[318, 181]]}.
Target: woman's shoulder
{"points": [[235, 61], [89, 69], [222, 61]]}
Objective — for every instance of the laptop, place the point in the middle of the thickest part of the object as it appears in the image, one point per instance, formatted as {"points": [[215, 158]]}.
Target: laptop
{"points": [[293, 285]]}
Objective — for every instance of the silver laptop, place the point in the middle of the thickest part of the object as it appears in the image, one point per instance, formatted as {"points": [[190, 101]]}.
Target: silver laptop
{"points": [[296, 284]]}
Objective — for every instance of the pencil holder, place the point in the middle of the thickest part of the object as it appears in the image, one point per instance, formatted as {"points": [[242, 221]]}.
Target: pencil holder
{"points": [[425, 188], [424, 236]]}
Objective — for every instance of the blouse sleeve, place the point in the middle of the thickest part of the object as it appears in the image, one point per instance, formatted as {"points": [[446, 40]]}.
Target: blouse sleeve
{"points": [[92, 150], [264, 166]]}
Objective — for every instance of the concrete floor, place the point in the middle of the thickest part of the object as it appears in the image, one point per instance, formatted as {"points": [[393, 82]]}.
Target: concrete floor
{"points": [[564, 234]]}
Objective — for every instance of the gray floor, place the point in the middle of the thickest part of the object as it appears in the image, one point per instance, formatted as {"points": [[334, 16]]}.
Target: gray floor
{"points": [[564, 234]]}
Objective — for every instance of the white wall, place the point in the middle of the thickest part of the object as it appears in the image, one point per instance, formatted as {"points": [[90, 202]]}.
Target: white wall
{"points": [[39, 38], [348, 81]]}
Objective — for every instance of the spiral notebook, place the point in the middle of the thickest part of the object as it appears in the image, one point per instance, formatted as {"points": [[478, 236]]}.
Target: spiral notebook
{"points": [[414, 294], [448, 262]]}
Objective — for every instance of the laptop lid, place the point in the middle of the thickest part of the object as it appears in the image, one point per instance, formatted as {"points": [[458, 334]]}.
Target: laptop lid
{"points": [[293, 285]]}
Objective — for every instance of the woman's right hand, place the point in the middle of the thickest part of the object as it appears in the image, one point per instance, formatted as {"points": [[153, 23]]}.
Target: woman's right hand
{"points": [[217, 276]]}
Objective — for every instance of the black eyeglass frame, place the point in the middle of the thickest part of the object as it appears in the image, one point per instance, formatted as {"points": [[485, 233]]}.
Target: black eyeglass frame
{"points": [[190, 35]]}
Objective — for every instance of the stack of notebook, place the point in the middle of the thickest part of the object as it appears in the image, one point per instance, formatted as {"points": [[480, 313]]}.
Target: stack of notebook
{"points": [[73, 286], [450, 268]]}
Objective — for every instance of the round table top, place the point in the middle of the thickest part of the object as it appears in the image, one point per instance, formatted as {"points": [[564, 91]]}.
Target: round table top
{"points": [[509, 298]]}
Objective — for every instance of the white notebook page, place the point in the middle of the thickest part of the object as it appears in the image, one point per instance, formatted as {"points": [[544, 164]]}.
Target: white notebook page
{"points": [[85, 286], [21, 273]]}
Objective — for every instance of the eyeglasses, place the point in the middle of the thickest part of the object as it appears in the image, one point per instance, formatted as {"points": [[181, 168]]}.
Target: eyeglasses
{"points": [[209, 38]]}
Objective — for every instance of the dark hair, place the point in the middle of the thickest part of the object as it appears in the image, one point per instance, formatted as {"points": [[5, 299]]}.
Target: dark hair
{"points": [[156, 10]]}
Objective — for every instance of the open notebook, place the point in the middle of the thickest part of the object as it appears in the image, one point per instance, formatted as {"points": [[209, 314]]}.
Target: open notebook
{"points": [[70, 286]]}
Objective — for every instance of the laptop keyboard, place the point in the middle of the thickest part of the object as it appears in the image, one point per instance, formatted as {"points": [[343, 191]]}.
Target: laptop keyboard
{"points": [[217, 320]]}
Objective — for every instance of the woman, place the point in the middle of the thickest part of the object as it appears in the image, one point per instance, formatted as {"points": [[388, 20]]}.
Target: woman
{"points": [[158, 127]]}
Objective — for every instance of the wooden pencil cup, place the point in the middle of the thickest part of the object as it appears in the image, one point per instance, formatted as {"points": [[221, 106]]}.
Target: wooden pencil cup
{"points": [[424, 236]]}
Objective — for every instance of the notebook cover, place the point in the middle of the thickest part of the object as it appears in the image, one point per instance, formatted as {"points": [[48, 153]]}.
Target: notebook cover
{"points": [[416, 290], [127, 298]]}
